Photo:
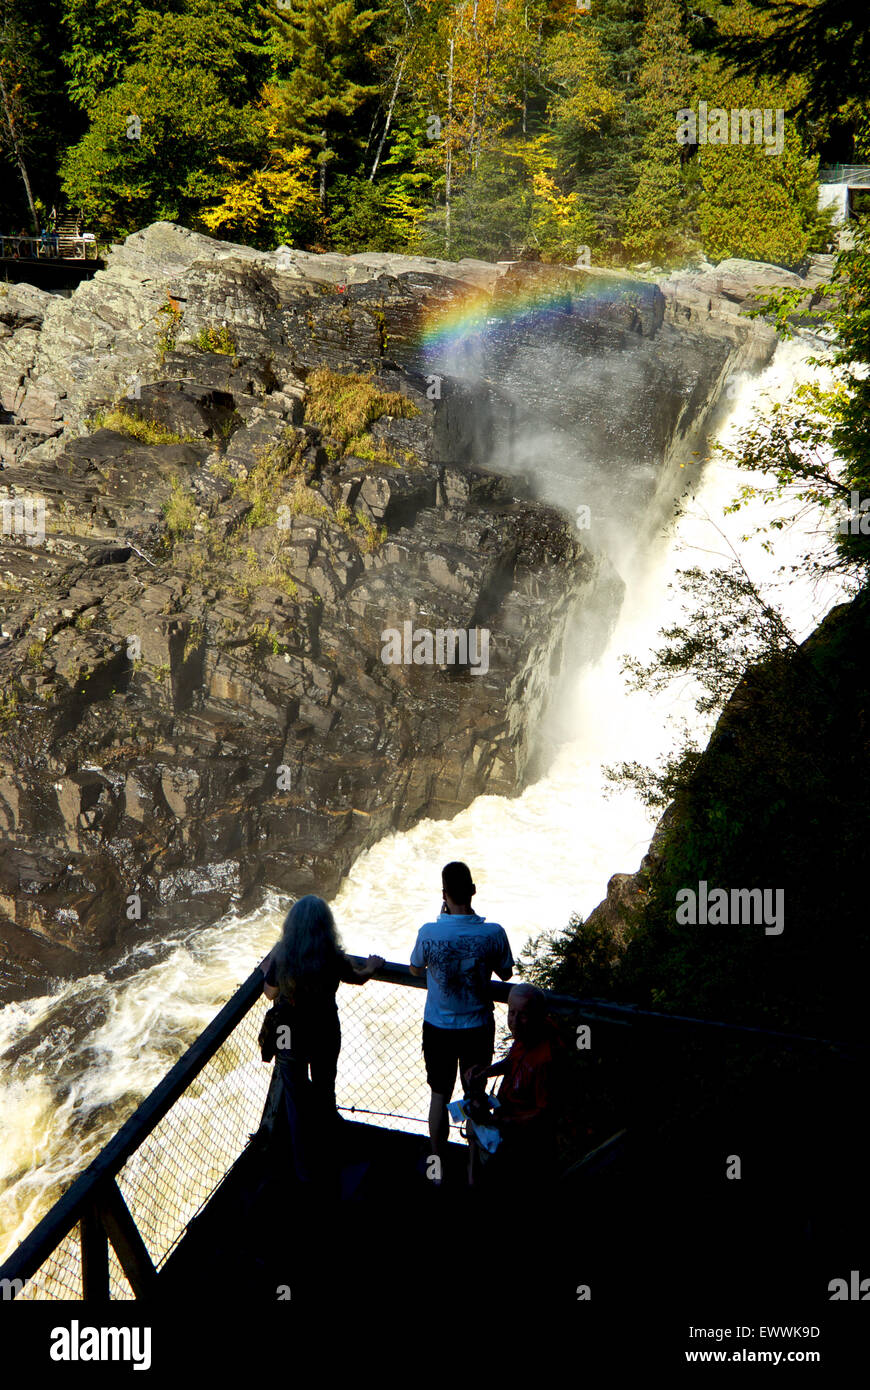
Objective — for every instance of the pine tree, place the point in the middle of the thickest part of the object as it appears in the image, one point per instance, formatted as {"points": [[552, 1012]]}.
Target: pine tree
{"points": [[601, 165], [660, 220], [322, 82]]}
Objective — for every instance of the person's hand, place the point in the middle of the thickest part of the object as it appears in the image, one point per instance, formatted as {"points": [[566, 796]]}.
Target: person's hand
{"points": [[477, 1108], [473, 1075], [374, 963]]}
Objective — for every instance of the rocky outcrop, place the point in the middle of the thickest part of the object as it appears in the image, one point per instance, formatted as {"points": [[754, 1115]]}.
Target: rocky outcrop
{"points": [[200, 557], [625, 372]]}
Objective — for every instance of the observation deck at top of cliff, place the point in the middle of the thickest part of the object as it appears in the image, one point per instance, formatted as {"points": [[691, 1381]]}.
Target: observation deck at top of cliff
{"points": [[843, 188], [180, 1198], [56, 258], [856, 175]]}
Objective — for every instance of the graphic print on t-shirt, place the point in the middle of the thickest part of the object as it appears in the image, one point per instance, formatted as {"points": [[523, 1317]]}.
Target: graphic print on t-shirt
{"points": [[460, 952], [462, 966]]}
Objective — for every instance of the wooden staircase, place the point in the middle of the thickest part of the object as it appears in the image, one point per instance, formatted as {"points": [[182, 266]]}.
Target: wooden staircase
{"points": [[68, 231]]}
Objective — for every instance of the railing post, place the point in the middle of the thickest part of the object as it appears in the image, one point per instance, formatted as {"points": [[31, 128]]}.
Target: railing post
{"points": [[129, 1245], [95, 1256]]}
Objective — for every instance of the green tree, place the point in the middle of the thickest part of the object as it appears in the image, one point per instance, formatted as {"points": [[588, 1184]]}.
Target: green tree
{"points": [[661, 222], [490, 211], [322, 82], [601, 165], [184, 104], [756, 206], [512, 86], [824, 42], [367, 216], [99, 40]]}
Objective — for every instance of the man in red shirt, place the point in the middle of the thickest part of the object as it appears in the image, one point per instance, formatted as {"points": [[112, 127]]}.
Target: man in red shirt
{"points": [[525, 1116]]}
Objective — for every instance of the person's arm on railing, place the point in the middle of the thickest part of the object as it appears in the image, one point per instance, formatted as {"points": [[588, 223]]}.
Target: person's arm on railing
{"points": [[270, 991], [351, 975]]}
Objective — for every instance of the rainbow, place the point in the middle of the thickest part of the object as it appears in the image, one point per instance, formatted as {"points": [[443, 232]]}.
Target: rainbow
{"points": [[476, 312]]}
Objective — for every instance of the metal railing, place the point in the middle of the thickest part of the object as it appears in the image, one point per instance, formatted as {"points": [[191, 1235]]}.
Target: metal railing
{"points": [[49, 247], [118, 1223], [845, 173], [115, 1227]]}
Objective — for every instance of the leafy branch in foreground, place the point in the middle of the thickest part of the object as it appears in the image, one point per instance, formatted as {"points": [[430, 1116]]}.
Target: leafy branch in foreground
{"points": [[794, 445], [583, 959], [818, 443], [727, 626], [656, 787]]}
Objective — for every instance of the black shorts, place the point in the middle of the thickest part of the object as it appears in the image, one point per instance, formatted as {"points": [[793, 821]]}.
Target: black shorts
{"points": [[446, 1048]]}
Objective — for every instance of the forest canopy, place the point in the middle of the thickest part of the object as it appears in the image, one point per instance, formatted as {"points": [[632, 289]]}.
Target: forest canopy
{"points": [[544, 129]]}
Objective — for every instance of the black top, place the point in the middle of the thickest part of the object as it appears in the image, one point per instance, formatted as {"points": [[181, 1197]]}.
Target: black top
{"points": [[317, 991]]}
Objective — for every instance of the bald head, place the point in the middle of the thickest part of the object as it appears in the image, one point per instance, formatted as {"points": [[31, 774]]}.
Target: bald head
{"points": [[535, 996], [527, 1007]]}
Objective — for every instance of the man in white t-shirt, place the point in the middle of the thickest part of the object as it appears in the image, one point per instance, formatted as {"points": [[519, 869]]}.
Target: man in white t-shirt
{"points": [[458, 954]]}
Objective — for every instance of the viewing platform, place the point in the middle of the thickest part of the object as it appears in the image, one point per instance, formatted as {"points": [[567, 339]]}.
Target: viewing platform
{"points": [[55, 260], [855, 175], [844, 188], [195, 1193]]}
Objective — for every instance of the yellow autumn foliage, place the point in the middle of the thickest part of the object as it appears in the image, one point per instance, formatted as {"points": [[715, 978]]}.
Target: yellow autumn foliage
{"points": [[279, 201]]}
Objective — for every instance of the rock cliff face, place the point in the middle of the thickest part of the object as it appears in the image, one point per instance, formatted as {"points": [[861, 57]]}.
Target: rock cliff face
{"points": [[226, 474]]}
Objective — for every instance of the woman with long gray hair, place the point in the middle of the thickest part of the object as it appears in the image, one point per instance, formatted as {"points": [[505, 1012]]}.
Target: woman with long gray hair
{"points": [[304, 969]]}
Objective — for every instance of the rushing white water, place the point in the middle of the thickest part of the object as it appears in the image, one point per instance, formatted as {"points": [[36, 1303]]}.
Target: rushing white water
{"points": [[536, 859]]}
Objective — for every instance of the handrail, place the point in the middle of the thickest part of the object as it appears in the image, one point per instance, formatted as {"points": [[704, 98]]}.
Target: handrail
{"points": [[67, 1210], [93, 1188], [50, 247], [603, 1011], [843, 173]]}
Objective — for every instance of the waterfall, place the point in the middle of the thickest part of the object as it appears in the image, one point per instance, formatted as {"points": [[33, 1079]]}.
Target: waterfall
{"points": [[76, 1062]]}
